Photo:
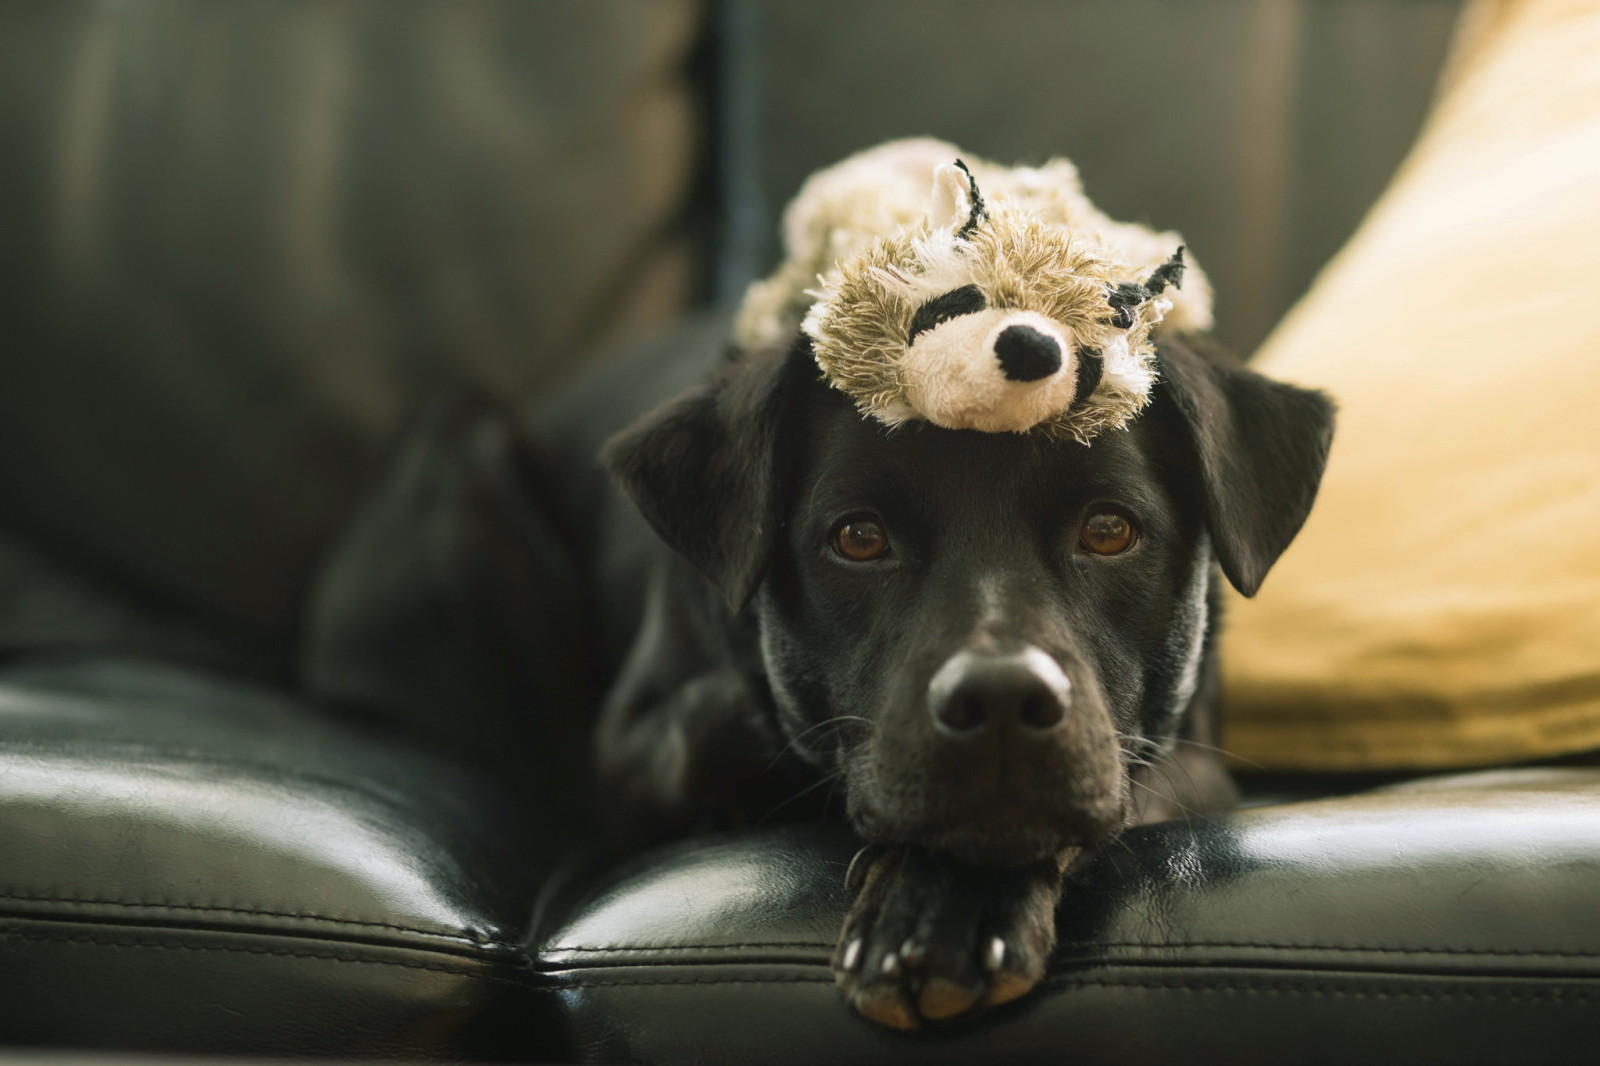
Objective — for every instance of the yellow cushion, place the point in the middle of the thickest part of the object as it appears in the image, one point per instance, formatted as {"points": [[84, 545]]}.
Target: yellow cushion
{"points": [[1442, 607]]}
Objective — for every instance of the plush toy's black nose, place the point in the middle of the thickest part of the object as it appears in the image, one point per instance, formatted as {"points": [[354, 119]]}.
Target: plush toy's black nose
{"points": [[978, 691], [1026, 354]]}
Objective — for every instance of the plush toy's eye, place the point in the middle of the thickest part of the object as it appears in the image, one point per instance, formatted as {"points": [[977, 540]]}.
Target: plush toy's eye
{"points": [[861, 539], [1108, 533], [957, 302]]}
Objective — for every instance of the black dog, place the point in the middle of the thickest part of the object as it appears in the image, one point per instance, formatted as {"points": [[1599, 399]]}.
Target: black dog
{"points": [[998, 647], [995, 649]]}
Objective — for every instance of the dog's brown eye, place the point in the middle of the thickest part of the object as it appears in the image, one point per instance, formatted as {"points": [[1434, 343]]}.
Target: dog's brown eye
{"points": [[1107, 533], [860, 540]]}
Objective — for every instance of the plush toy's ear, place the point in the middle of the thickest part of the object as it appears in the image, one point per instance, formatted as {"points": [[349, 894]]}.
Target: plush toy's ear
{"points": [[701, 470], [957, 203], [1125, 298], [1260, 448]]}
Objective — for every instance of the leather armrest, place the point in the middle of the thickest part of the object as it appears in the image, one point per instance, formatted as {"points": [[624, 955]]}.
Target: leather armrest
{"points": [[1448, 920], [194, 865]]}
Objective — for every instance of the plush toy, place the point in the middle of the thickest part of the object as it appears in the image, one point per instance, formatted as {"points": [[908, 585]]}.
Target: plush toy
{"points": [[1006, 303]]}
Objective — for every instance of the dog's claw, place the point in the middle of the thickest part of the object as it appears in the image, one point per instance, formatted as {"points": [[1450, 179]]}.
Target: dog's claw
{"points": [[913, 953], [891, 965], [850, 958], [996, 956], [856, 873]]}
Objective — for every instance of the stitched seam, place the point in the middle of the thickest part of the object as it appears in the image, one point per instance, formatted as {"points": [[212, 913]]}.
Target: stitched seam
{"points": [[1068, 948], [696, 947], [567, 987], [1533, 995], [1481, 952], [12, 934], [204, 909]]}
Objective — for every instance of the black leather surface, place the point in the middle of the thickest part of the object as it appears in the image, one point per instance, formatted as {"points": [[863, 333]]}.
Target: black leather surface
{"points": [[1451, 920], [241, 242], [193, 865]]}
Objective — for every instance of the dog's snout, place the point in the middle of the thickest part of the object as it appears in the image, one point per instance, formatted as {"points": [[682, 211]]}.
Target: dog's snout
{"points": [[983, 691], [1025, 354]]}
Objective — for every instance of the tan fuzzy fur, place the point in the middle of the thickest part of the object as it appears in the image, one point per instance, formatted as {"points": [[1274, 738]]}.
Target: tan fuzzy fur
{"points": [[863, 254]]}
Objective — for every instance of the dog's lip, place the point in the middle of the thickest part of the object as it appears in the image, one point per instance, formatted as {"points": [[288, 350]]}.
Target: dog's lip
{"points": [[985, 849], [985, 843]]}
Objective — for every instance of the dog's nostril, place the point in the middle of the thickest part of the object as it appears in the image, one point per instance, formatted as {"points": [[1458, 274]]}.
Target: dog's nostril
{"points": [[961, 713], [1025, 354], [1042, 710]]}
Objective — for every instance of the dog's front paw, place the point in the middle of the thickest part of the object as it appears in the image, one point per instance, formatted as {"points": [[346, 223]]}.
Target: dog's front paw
{"points": [[930, 938]]}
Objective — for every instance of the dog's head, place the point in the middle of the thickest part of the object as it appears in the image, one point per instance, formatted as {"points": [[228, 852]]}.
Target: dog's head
{"points": [[978, 630]]}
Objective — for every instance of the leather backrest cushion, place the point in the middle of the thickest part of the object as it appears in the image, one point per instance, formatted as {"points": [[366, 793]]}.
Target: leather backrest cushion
{"points": [[1440, 607], [243, 241], [1260, 131]]}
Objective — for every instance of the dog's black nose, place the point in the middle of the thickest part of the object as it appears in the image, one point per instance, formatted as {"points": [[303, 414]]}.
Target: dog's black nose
{"points": [[980, 690], [1025, 354]]}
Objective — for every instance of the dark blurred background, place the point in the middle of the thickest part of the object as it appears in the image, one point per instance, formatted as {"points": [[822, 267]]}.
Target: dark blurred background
{"points": [[240, 240]]}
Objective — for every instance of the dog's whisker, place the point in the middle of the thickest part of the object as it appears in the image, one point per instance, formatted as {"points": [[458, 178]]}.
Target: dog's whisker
{"points": [[1151, 789], [1159, 763], [1158, 794], [798, 737], [1219, 751], [1132, 745], [1171, 794], [1110, 857], [1134, 760], [1189, 777]]}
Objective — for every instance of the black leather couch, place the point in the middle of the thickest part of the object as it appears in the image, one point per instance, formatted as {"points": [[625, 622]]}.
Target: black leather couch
{"points": [[197, 860], [198, 865]]}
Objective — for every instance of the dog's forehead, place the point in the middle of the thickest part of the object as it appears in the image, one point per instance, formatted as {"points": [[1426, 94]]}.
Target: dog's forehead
{"points": [[844, 445]]}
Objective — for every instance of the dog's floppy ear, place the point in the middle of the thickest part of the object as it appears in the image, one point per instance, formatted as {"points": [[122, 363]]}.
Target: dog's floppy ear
{"points": [[1260, 448], [701, 469]]}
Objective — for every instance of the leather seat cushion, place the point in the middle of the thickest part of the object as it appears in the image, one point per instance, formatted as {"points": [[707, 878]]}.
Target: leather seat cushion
{"points": [[194, 865], [1447, 920]]}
